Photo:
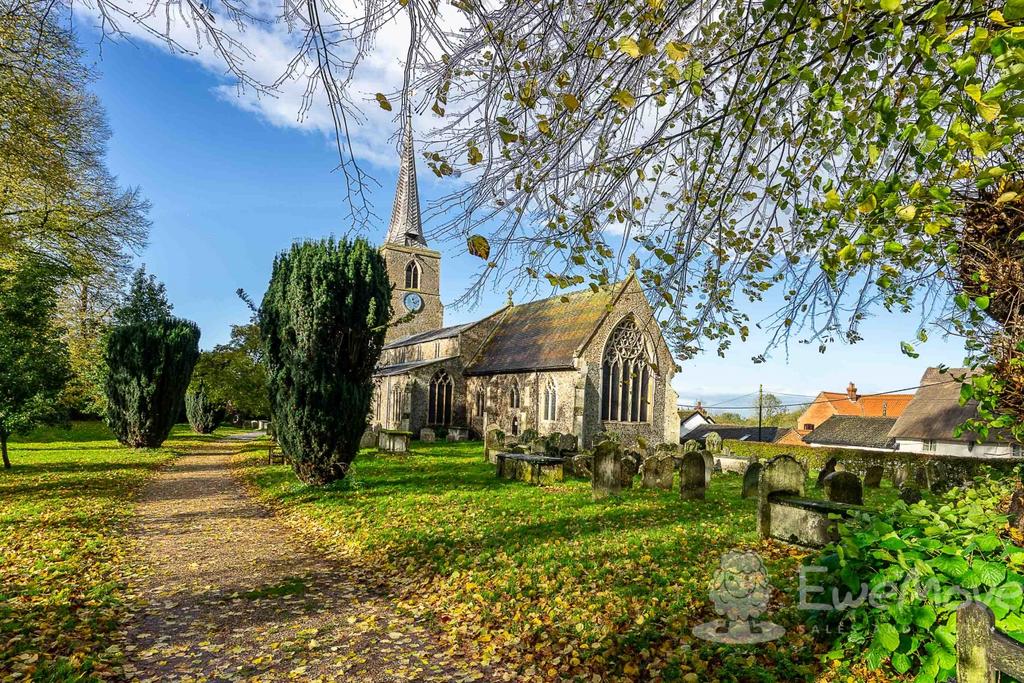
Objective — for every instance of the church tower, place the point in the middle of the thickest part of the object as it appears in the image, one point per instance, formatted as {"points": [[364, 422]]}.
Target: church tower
{"points": [[413, 268]]}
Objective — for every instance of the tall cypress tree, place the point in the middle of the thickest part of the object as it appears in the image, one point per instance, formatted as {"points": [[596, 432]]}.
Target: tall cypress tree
{"points": [[322, 322], [150, 355], [204, 414]]}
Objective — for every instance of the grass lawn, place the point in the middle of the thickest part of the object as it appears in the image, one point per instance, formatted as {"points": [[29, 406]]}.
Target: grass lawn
{"points": [[64, 551], [547, 580]]}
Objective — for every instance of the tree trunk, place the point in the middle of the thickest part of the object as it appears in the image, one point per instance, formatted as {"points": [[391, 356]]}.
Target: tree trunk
{"points": [[3, 449]]}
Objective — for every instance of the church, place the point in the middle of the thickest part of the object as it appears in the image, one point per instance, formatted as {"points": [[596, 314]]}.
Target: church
{"points": [[583, 363]]}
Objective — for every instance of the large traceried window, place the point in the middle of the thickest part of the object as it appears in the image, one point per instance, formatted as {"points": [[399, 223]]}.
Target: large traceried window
{"points": [[439, 402], [412, 275], [550, 401], [626, 376]]}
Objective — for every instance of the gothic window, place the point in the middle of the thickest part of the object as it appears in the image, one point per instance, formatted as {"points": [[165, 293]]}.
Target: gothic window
{"points": [[550, 401], [412, 275], [480, 403], [513, 396], [515, 426], [626, 376], [395, 405], [439, 402]]}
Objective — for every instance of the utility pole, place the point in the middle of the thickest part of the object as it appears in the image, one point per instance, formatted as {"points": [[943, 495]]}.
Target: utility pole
{"points": [[760, 404]]}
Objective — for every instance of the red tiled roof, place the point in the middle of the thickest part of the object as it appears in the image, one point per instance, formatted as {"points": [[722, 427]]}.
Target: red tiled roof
{"points": [[885, 405]]}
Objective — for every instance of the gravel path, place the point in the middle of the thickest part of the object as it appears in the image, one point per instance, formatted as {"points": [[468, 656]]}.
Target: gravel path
{"points": [[231, 593]]}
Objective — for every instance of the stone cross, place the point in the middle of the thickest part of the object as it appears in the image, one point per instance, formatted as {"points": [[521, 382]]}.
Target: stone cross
{"points": [[750, 479], [844, 487], [607, 470], [658, 471], [692, 479], [873, 476]]}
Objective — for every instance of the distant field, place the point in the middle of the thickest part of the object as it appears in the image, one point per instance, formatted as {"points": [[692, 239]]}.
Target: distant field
{"points": [[64, 554], [545, 578]]}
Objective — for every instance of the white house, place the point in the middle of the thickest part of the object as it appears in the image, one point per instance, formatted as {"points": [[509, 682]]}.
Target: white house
{"points": [[689, 421], [930, 419]]}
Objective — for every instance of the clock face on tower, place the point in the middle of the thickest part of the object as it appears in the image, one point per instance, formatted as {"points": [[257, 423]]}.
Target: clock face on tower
{"points": [[413, 302]]}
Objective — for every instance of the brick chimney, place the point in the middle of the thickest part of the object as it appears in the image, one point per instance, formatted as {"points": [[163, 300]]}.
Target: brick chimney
{"points": [[851, 392]]}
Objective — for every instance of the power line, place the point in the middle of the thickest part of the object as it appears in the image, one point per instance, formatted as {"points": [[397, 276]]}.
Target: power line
{"points": [[811, 403]]}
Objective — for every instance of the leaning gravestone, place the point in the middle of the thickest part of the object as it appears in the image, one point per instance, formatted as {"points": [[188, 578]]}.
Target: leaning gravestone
{"points": [[844, 487], [750, 479], [829, 468], [658, 471], [692, 480], [910, 494], [607, 470], [427, 434], [873, 476]]}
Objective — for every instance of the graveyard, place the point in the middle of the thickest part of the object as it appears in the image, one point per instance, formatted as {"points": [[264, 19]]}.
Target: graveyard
{"points": [[543, 578]]}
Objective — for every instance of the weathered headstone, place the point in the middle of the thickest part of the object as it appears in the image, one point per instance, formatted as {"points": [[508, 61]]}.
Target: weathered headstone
{"points": [[920, 478], [910, 494], [427, 434], [844, 487], [873, 476], [691, 446], [782, 475], [631, 460], [750, 480], [581, 465], [900, 475], [692, 479], [658, 471], [709, 467], [607, 470], [567, 443], [713, 442], [829, 468]]}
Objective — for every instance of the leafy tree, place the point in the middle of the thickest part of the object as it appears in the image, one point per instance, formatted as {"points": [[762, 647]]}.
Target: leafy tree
{"points": [[150, 356], [235, 375], [58, 202], [33, 358], [322, 321], [204, 414]]}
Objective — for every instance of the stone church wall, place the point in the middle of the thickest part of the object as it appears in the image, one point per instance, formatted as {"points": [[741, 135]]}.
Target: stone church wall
{"points": [[532, 388]]}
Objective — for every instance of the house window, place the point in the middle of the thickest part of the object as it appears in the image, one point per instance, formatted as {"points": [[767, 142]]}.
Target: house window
{"points": [[885, 408], [439, 401], [928, 446], [412, 275], [480, 403], [809, 426], [626, 376], [513, 396], [550, 401]]}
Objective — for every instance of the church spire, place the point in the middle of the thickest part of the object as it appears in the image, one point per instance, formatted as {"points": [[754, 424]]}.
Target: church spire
{"points": [[406, 225]]}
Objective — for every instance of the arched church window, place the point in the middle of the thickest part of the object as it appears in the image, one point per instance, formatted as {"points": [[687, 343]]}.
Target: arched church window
{"points": [[439, 400], [481, 403], [513, 396], [515, 426], [412, 275], [550, 401], [395, 404], [626, 375]]}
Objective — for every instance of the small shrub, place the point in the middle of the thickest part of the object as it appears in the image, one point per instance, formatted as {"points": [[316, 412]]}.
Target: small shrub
{"points": [[203, 413]]}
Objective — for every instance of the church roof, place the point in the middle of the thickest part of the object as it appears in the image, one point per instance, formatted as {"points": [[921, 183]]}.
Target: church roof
{"points": [[443, 333], [545, 334], [402, 368], [406, 226]]}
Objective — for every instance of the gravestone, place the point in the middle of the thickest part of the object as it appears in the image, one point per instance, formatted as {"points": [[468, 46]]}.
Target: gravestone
{"points": [[567, 443], [713, 442], [782, 475], [920, 478], [691, 446], [873, 476], [607, 470], [829, 468], [692, 479], [844, 487], [581, 465], [427, 434], [658, 471], [709, 467], [631, 460], [900, 474], [910, 494], [750, 480]]}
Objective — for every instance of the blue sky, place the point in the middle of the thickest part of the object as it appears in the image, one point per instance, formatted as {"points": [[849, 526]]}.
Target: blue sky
{"points": [[233, 182]]}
